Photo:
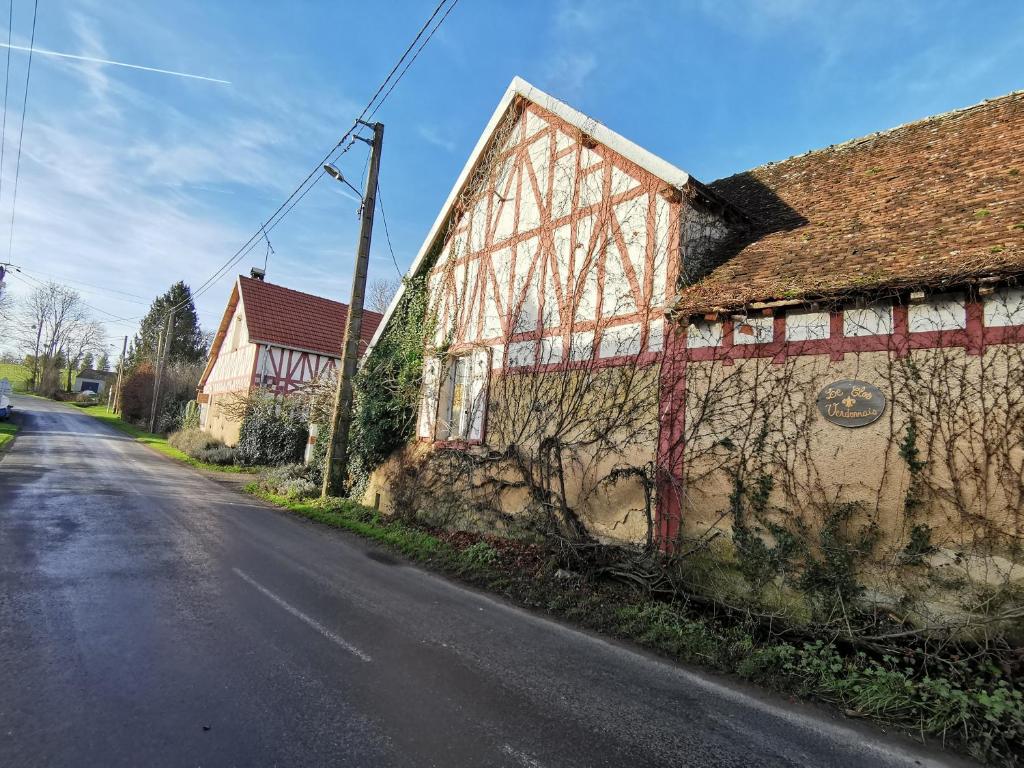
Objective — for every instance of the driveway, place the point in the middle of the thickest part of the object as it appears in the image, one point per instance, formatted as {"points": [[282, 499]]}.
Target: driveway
{"points": [[150, 616]]}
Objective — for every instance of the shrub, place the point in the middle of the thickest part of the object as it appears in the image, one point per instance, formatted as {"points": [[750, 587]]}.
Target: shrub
{"points": [[201, 446], [294, 481], [218, 454], [190, 415], [178, 415], [137, 394], [273, 432]]}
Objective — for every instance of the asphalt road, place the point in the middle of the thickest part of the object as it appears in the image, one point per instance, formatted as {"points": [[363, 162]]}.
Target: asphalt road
{"points": [[150, 616]]}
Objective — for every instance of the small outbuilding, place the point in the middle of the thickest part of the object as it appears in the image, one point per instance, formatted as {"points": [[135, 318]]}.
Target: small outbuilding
{"points": [[91, 380]]}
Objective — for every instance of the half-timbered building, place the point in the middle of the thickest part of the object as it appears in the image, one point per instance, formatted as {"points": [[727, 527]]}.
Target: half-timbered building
{"points": [[270, 337], [887, 267]]}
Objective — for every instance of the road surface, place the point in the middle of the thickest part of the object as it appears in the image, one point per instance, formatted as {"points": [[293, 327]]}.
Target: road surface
{"points": [[152, 616]]}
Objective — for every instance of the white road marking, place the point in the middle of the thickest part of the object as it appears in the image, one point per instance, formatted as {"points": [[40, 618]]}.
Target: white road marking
{"points": [[303, 617], [521, 757]]}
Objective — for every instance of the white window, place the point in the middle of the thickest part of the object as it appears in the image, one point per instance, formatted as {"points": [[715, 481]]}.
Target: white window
{"points": [[454, 404]]}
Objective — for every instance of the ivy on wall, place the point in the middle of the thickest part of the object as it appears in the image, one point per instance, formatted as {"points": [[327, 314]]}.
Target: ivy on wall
{"points": [[387, 387]]}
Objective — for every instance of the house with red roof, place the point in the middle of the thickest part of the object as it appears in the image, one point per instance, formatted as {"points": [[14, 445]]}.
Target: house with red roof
{"points": [[274, 338]]}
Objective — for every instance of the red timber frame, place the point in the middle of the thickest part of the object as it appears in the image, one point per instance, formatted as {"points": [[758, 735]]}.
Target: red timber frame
{"points": [[974, 338], [544, 269], [289, 369]]}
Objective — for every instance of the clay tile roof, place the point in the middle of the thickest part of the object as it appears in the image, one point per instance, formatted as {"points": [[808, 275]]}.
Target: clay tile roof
{"points": [[929, 203], [284, 317]]}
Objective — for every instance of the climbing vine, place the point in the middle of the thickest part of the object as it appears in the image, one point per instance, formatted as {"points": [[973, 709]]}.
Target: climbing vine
{"points": [[387, 386]]}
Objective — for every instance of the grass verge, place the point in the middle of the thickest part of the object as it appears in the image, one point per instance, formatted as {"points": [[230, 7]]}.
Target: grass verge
{"points": [[980, 713], [7, 431], [157, 442]]}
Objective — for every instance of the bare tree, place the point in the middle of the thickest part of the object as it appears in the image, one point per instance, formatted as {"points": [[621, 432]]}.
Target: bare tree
{"points": [[380, 292], [86, 337], [53, 326]]}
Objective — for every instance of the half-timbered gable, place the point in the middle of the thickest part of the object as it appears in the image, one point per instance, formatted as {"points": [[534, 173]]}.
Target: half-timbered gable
{"points": [[274, 338], [560, 245]]}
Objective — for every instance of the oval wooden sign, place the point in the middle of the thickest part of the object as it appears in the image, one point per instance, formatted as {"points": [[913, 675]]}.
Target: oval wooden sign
{"points": [[851, 403]]}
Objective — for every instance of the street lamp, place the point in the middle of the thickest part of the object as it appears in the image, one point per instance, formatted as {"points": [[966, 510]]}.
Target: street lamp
{"points": [[337, 175]]}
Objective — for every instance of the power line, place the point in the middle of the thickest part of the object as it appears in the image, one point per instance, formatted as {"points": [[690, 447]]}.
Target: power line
{"points": [[387, 234], [311, 179], [415, 55], [139, 299], [21, 132], [7, 80], [28, 279]]}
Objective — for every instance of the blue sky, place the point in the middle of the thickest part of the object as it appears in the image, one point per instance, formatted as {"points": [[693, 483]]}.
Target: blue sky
{"points": [[131, 180]]}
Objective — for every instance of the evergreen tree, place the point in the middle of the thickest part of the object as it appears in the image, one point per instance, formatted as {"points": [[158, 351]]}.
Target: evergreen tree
{"points": [[187, 342], [86, 362], [103, 362]]}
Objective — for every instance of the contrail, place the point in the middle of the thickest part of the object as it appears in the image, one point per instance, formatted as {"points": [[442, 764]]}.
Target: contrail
{"points": [[94, 60]]}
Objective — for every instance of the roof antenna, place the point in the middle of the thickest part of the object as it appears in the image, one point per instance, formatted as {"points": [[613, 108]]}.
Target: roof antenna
{"points": [[270, 248]]}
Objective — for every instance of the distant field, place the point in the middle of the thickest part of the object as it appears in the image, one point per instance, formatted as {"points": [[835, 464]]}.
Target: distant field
{"points": [[17, 374]]}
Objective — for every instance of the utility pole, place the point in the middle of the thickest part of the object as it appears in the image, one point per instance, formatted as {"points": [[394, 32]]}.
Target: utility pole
{"points": [[35, 359], [120, 375], [336, 458], [163, 349], [156, 378]]}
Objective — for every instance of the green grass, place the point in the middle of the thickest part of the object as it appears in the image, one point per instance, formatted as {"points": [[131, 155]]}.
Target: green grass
{"points": [[156, 442], [17, 374], [342, 513], [7, 430]]}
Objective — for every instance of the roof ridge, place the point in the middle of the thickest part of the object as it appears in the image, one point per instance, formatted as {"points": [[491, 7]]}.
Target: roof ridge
{"points": [[280, 287], [854, 142]]}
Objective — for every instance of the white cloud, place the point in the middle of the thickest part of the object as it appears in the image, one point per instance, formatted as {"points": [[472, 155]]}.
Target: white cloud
{"points": [[567, 73], [136, 180], [431, 135]]}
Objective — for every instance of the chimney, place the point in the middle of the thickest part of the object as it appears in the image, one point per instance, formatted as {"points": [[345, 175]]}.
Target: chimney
{"points": [[257, 274]]}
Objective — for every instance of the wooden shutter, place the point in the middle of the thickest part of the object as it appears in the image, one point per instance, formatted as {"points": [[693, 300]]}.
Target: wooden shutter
{"points": [[428, 399], [480, 371]]}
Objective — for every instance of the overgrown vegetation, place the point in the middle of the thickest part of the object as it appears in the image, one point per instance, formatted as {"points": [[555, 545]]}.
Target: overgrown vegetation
{"points": [[202, 446], [292, 481], [387, 386], [273, 431]]}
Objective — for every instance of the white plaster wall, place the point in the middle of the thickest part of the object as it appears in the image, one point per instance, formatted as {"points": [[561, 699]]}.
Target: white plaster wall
{"points": [[807, 326], [868, 321], [940, 313]]}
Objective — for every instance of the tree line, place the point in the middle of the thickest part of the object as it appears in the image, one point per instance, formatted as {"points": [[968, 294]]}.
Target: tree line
{"points": [[56, 335]]}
